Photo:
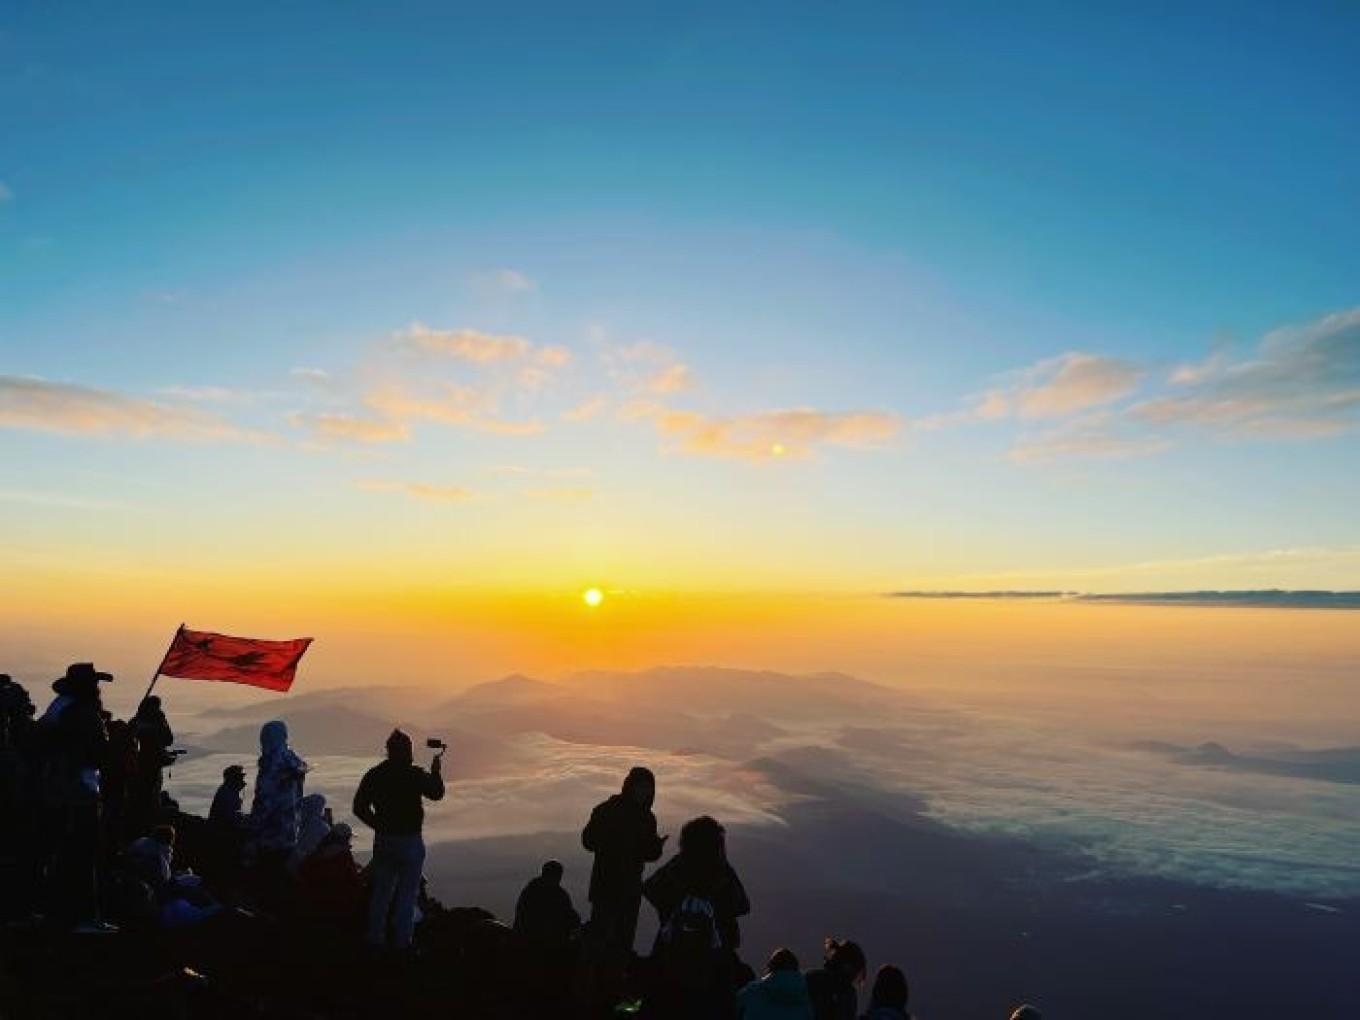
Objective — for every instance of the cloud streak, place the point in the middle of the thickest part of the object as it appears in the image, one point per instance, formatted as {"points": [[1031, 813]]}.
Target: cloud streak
{"points": [[463, 344], [1302, 382], [29, 402], [772, 435], [353, 428], [422, 490]]}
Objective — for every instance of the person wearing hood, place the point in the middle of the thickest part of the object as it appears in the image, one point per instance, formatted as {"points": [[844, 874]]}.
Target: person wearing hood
{"points": [[782, 994], [275, 809], [151, 858], [889, 996], [312, 829]]}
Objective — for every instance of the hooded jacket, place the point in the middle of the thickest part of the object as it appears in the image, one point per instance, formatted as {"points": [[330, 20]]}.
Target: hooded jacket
{"points": [[622, 835], [312, 829], [278, 790], [779, 995]]}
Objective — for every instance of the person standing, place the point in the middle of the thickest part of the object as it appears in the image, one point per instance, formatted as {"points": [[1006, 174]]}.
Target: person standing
{"points": [[389, 802], [275, 810], [76, 744], [622, 835], [153, 736]]}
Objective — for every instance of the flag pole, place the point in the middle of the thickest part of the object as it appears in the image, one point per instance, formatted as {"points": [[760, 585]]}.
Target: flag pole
{"points": [[157, 675]]}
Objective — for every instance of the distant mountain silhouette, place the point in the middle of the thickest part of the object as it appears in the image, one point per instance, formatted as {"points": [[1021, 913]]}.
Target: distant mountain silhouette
{"points": [[1325, 765]]}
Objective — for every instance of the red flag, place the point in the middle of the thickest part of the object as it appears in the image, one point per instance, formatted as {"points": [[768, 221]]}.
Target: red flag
{"points": [[201, 655]]}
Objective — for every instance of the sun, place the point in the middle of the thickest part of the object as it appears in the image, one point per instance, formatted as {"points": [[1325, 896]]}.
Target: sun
{"points": [[593, 596]]}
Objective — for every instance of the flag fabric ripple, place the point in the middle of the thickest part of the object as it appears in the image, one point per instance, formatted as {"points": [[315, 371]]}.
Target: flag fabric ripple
{"points": [[202, 655]]}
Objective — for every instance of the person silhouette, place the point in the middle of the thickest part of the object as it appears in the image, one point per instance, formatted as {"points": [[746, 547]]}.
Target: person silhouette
{"points": [[622, 835], [388, 801]]}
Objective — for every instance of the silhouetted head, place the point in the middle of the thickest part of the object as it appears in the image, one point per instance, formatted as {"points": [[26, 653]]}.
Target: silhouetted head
{"points": [[552, 871], [1026, 1013], [273, 736], [149, 706], [234, 775], [847, 958], [342, 833], [890, 988], [702, 839], [399, 748], [164, 835], [82, 680], [640, 785], [312, 806], [781, 959]]}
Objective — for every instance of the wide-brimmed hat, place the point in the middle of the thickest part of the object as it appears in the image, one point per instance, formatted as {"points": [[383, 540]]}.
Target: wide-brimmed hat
{"points": [[81, 674]]}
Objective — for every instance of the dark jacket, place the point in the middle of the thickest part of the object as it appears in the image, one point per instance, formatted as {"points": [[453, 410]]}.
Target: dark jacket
{"points": [[389, 797], [544, 912], [833, 995], [226, 811], [622, 835], [715, 881]]}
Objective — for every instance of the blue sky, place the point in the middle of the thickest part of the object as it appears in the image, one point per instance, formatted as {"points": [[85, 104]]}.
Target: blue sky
{"points": [[851, 294]]}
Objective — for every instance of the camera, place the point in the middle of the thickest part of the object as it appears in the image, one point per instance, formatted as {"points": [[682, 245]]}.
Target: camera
{"points": [[435, 744]]}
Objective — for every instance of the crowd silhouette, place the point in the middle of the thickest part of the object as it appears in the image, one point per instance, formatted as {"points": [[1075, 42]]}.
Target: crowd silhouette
{"points": [[102, 855]]}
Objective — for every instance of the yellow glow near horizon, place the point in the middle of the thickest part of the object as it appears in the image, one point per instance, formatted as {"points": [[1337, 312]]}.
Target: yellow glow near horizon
{"points": [[593, 596]]}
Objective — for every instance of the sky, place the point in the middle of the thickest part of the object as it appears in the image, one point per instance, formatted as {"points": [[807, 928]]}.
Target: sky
{"points": [[443, 304]]}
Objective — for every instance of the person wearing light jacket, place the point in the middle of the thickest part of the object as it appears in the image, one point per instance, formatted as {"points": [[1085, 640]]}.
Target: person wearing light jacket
{"points": [[781, 994]]}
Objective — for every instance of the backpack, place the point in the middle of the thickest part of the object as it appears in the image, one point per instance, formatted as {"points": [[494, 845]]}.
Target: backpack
{"points": [[687, 945]]}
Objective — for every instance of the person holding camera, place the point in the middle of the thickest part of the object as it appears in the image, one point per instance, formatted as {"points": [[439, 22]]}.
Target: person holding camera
{"points": [[389, 802]]}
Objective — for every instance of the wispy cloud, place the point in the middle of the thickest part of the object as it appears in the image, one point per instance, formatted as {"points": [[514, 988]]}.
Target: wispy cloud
{"points": [[648, 367], [209, 394], [29, 402], [502, 283], [1301, 382], [464, 344], [773, 435], [1063, 385], [1094, 438], [1057, 387], [352, 428], [317, 377], [422, 490], [467, 406]]}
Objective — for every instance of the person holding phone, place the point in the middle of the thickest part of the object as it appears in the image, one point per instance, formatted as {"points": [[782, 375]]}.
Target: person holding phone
{"points": [[389, 801]]}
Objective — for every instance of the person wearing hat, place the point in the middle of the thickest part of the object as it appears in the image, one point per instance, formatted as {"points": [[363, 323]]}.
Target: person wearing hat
{"points": [[75, 743], [389, 802], [227, 810]]}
